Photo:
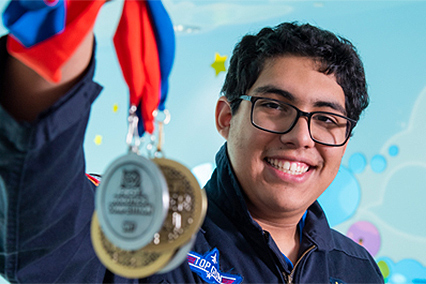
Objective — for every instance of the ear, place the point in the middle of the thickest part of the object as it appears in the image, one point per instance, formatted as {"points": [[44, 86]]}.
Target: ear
{"points": [[223, 116]]}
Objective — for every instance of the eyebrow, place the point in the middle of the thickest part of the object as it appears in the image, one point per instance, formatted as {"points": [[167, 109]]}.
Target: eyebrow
{"points": [[270, 89]]}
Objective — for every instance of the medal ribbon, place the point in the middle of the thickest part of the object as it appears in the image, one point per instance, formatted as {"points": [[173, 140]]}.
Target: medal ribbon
{"points": [[31, 23], [165, 36], [145, 46], [45, 33]]}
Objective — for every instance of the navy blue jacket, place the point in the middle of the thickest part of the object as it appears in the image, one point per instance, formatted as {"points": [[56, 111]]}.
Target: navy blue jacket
{"points": [[248, 252], [46, 205]]}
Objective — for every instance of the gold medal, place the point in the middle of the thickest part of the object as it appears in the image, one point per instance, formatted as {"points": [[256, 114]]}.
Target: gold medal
{"points": [[130, 264], [187, 207]]}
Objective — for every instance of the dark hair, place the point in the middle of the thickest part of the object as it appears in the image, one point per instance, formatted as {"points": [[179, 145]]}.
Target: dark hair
{"points": [[336, 55]]}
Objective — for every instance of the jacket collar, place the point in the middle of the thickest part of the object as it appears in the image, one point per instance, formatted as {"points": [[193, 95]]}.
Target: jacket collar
{"points": [[317, 230], [224, 190]]}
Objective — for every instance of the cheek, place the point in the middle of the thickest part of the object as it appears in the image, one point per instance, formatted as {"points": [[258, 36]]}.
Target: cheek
{"points": [[333, 158], [245, 148], [240, 135]]}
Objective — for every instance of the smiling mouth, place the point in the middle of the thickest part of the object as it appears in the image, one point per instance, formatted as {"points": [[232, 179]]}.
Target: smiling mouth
{"points": [[287, 167]]}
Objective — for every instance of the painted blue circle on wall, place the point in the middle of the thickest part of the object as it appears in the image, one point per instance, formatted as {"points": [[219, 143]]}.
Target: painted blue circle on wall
{"points": [[341, 199], [357, 163], [393, 150], [378, 163]]}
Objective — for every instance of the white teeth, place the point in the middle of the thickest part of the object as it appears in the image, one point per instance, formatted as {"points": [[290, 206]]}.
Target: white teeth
{"points": [[288, 167]]}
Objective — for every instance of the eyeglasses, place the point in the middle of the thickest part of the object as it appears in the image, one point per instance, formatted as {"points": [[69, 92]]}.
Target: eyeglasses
{"points": [[278, 117]]}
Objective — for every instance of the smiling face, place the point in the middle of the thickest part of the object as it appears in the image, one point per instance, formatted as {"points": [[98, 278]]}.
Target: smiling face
{"points": [[282, 175]]}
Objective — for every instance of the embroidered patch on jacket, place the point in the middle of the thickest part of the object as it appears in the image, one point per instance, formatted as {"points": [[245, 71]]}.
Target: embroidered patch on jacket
{"points": [[207, 267], [336, 281]]}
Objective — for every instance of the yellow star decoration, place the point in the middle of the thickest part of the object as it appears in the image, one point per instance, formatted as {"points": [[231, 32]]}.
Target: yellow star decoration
{"points": [[115, 108], [219, 63], [98, 140]]}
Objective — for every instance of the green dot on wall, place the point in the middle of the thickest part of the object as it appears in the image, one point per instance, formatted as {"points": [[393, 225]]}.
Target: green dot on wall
{"points": [[384, 268]]}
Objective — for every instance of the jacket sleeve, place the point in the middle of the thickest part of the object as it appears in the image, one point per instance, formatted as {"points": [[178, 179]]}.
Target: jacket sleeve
{"points": [[46, 201]]}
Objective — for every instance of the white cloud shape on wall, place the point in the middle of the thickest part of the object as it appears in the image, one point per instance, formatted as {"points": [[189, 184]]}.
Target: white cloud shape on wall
{"points": [[403, 189], [207, 15]]}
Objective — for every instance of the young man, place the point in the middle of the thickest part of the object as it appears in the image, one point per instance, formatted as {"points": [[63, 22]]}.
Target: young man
{"points": [[292, 96]]}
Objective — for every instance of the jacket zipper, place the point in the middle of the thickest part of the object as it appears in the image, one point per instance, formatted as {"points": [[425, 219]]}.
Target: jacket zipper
{"points": [[289, 278]]}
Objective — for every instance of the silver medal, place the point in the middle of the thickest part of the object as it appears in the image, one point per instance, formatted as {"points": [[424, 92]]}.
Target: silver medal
{"points": [[132, 199]]}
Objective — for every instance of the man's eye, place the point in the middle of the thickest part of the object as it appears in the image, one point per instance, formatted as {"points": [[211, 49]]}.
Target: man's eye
{"points": [[272, 105], [267, 104], [326, 119]]}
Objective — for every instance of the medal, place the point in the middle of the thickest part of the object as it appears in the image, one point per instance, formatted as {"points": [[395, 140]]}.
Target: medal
{"points": [[132, 201], [130, 264], [147, 211], [187, 207]]}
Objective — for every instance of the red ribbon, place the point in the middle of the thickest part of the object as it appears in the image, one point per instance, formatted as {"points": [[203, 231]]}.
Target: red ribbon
{"points": [[135, 43], [48, 56], [137, 52]]}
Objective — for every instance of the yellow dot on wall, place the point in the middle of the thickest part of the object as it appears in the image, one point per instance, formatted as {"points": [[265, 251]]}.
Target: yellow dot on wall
{"points": [[98, 139], [115, 108]]}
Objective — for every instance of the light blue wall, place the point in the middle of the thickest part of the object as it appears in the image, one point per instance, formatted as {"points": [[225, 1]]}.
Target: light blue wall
{"points": [[379, 193]]}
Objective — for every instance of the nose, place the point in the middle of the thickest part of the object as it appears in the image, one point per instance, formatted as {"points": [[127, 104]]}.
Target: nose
{"points": [[299, 136]]}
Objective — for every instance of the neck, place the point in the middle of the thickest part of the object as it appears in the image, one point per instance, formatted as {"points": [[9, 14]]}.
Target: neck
{"points": [[285, 234]]}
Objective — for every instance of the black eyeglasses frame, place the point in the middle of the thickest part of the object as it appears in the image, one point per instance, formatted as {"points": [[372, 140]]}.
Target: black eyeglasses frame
{"points": [[300, 113]]}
